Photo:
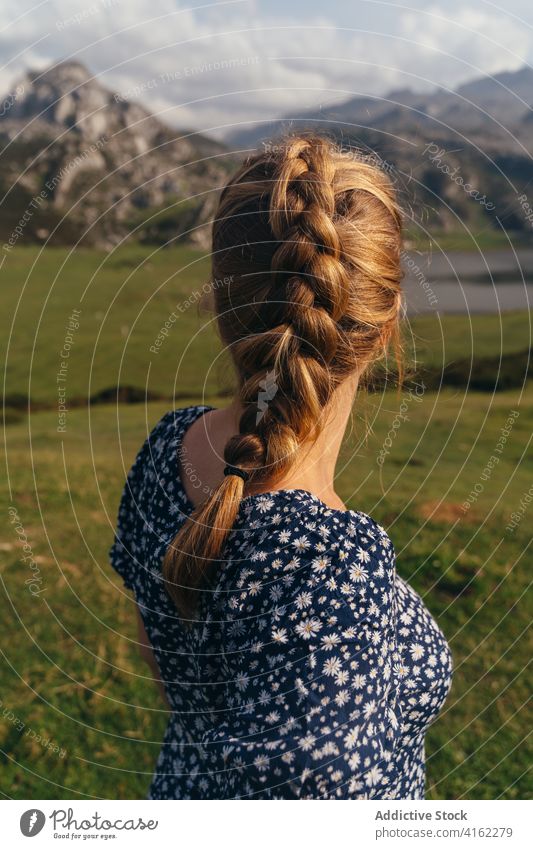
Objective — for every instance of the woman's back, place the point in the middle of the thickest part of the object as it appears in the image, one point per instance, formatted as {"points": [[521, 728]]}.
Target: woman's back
{"points": [[312, 670]]}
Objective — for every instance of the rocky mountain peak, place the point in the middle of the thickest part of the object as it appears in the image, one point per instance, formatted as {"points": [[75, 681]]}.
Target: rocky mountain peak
{"points": [[94, 151], [68, 97]]}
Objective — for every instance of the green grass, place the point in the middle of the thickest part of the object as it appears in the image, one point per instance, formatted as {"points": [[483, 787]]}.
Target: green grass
{"points": [[478, 237], [73, 673], [125, 299], [433, 342]]}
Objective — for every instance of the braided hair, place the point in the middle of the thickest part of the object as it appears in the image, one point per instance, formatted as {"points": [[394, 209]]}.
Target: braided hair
{"points": [[307, 244]]}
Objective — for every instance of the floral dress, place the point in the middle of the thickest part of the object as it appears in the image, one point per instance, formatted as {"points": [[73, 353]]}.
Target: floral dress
{"points": [[312, 669]]}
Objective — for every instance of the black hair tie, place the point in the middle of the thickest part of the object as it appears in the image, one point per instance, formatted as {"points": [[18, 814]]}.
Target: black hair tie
{"points": [[234, 470]]}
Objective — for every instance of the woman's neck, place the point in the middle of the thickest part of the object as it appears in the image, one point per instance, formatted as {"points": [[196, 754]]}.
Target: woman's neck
{"points": [[313, 470]]}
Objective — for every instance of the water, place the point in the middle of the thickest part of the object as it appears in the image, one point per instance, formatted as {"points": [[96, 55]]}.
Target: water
{"points": [[468, 282]]}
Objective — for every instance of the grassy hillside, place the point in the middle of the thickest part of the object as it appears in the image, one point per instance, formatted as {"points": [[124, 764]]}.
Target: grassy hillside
{"points": [[72, 673], [126, 297]]}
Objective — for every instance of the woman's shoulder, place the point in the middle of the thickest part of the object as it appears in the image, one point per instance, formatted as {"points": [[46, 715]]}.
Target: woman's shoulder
{"points": [[289, 549], [169, 428], [301, 574], [151, 489], [299, 520], [157, 457], [177, 420]]}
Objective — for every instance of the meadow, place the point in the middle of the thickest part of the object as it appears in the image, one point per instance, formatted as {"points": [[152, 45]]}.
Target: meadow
{"points": [[79, 714]]}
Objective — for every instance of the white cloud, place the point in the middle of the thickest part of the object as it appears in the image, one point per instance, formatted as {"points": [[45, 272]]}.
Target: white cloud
{"points": [[457, 44], [271, 64]]}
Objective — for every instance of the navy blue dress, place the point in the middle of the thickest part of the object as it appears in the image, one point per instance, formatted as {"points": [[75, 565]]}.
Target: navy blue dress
{"points": [[313, 670]]}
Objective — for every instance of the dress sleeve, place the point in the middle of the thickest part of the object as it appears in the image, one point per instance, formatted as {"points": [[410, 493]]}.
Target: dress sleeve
{"points": [[314, 708], [125, 554]]}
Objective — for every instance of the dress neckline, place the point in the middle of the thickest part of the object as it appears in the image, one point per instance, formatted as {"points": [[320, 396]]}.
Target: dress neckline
{"points": [[248, 500]]}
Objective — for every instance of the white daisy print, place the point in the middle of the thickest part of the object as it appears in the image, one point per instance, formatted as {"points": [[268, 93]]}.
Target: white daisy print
{"points": [[310, 669]]}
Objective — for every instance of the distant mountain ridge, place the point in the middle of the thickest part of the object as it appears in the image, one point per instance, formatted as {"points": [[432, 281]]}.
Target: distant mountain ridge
{"points": [[103, 163], [505, 99], [461, 159], [81, 163]]}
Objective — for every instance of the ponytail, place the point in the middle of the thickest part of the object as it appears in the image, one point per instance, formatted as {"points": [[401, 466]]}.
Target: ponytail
{"points": [[188, 564]]}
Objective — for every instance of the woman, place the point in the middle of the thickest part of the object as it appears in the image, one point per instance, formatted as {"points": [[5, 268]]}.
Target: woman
{"points": [[297, 664]]}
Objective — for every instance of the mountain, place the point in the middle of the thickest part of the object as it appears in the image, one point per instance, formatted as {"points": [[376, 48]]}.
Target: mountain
{"points": [[506, 96], [490, 104], [460, 158], [80, 162]]}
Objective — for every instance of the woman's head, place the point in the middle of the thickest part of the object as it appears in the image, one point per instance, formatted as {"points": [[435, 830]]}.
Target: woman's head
{"points": [[306, 288]]}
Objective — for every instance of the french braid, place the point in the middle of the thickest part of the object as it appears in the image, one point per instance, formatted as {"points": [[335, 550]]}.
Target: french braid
{"points": [[307, 240]]}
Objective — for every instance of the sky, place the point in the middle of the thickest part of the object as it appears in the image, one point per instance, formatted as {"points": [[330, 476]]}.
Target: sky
{"points": [[214, 66]]}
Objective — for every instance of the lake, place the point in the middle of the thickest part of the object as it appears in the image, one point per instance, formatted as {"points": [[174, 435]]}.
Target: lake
{"points": [[468, 282]]}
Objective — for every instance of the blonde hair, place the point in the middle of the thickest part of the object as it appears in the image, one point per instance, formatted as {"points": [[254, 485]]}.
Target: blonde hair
{"points": [[307, 242]]}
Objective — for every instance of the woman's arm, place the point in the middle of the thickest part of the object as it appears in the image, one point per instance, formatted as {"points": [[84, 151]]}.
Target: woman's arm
{"points": [[148, 655]]}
